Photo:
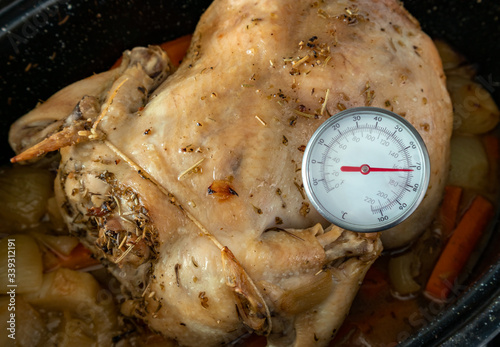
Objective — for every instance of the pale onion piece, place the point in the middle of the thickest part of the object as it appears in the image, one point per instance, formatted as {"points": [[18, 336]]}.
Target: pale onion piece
{"points": [[20, 264], [475, 111], [402, 273], [308, 295], [24, 192], [465, 71], [59, 244], [450, 57], [468, 162], [75, 332], [80, 294], [65, 289], [128, 307], [27, 325]]}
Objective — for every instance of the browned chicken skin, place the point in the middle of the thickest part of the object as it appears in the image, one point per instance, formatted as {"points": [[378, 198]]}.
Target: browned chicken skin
{"points": [[187, 184]]}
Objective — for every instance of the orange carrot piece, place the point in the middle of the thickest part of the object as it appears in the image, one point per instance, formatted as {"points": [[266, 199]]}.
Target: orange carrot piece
{"points": [[459, 248], [449, 209], [176, 50], [79, 258], [117, 63]]}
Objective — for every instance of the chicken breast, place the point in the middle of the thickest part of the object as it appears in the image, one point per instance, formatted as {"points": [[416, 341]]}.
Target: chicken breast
{"points": [[187, 184]]}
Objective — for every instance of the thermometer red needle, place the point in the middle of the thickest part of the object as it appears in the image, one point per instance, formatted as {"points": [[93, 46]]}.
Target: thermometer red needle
{"points": [[366, 169]]}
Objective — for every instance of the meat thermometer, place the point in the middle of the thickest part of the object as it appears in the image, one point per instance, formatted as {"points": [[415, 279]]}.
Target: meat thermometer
{"points": [[366, 169]]}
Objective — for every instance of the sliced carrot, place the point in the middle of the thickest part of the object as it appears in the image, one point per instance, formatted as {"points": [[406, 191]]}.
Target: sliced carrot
{"points": [[117, 63], [176, 50], [449, 209], [459, 247], [79, 258]]}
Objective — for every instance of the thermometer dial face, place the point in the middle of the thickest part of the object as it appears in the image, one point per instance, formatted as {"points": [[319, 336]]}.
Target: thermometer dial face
{"points": [[366, 169]]}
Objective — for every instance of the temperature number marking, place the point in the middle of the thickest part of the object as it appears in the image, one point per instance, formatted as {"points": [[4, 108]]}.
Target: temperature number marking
{"points": [[393, 183], [382, 194], [393, 154], [369, 200]]}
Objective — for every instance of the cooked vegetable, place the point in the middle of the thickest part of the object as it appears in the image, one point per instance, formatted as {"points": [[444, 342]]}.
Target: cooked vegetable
{"points": [[176, 50], [20, 264], [468, 162], [24, 192], [27, 325], [402, 270], [65, 289], [61, 244], [63, 251], [74, 332], [79, 294], [451, 59], [448, 212], [79, 258], [427, 249], [475, 112], [459, 247]]}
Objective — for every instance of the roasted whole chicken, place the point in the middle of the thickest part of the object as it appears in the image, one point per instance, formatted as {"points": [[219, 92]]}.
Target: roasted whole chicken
{"points": [[185, 182]]}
